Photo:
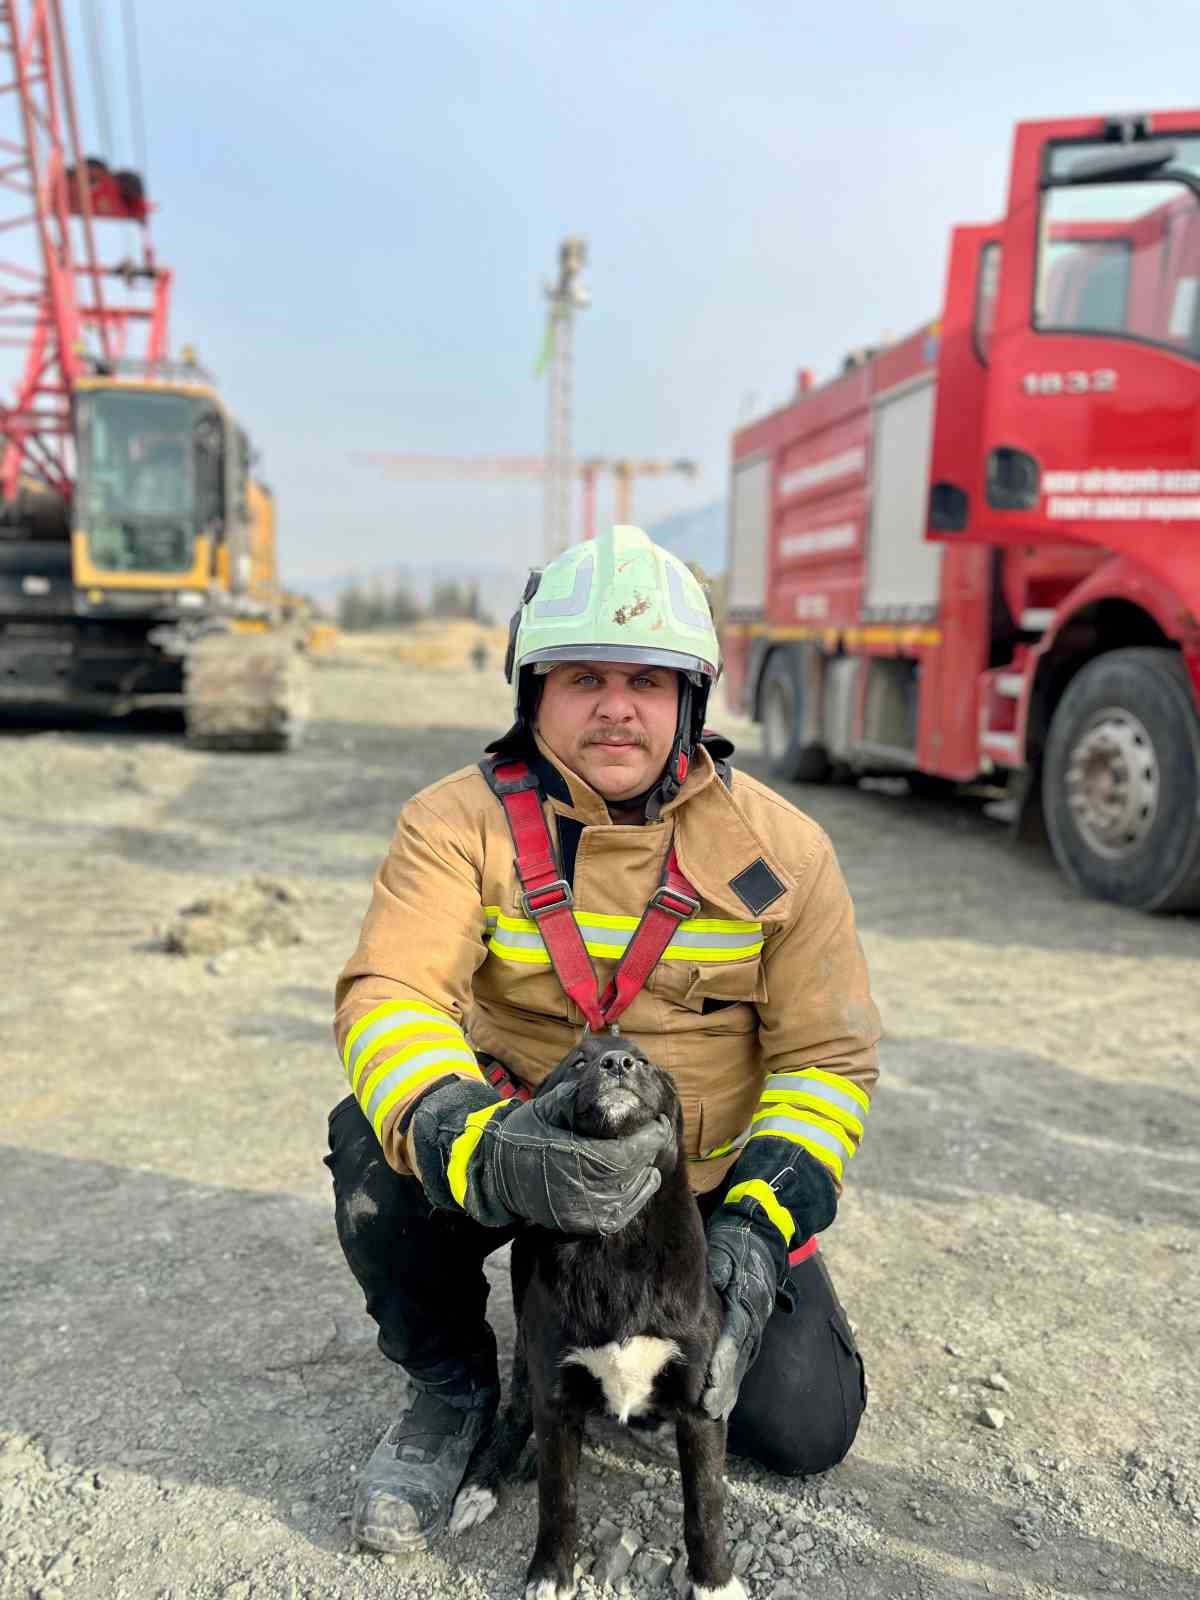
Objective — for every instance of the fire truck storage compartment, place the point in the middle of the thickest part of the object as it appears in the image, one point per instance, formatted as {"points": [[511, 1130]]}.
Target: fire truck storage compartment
{"points": [[903, 571], [750, 511]]}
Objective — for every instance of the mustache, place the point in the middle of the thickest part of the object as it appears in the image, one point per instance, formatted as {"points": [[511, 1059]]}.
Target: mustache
{"points": [[629, 737]]}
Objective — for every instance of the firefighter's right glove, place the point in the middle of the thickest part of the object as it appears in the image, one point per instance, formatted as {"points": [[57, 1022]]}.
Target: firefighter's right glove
{"points": [[506, 1161]]}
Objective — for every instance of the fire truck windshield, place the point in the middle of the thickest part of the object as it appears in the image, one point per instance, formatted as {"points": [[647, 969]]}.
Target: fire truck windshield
{"points": [[150, 478], [1121, 255]]}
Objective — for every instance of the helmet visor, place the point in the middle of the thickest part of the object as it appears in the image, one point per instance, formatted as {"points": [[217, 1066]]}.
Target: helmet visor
{"points": [[545, 660]]}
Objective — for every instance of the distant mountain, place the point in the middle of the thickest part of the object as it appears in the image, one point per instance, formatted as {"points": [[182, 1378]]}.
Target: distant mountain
{"points": [[697, 535]]}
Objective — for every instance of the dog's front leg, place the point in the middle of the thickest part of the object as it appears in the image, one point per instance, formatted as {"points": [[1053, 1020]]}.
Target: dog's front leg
{"points": [[551, 1573], [702, 1467]]}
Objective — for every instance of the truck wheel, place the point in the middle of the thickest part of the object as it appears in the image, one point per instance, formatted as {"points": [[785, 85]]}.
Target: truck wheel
{"points": [[1121, 782], [781, 699]]}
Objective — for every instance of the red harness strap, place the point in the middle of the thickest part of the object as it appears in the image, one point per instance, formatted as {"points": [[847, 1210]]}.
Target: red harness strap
{"points": [[548, 901]]}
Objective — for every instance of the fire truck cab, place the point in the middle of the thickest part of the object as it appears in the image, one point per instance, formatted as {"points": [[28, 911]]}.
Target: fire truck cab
{"points": [[975, 553]]}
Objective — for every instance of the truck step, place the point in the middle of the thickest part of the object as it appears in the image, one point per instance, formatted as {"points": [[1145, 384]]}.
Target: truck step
{"points": [[1009, 684], [1036, 619], [1001, 746]]}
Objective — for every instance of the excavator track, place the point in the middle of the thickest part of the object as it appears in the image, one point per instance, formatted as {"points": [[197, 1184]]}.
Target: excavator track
{"points": [[245, 691]]}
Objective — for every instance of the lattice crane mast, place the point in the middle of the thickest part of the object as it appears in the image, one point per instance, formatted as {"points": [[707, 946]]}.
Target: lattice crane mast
{"points": [[56, 304]]}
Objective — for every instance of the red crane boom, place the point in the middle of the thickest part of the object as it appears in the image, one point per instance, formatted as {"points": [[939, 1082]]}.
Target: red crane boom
{"points": [[55, 304]]}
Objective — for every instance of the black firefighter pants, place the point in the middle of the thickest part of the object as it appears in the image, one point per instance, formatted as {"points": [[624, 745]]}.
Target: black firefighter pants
{"points": [[421, 1270]]}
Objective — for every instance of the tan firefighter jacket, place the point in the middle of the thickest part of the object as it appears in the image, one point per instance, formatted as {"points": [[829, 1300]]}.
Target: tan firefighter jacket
{"points": [[760, 1008]]}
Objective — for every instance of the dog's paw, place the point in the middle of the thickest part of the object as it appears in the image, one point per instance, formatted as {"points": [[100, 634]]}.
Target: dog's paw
{"points": [[551, 1589], [472, 1505], [727, 1591]]}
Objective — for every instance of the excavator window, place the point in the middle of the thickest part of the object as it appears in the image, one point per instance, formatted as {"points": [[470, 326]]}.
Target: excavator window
{"points": [[151, 478]]}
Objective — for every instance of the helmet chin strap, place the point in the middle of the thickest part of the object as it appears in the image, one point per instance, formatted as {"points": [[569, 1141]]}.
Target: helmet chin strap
{"points": [[669, 782]]}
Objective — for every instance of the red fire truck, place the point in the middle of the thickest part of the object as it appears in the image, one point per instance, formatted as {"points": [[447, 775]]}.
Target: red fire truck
{"points": [[975, 553]]}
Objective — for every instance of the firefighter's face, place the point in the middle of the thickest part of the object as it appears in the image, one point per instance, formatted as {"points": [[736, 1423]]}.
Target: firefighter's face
{"points": [[613, 724]]}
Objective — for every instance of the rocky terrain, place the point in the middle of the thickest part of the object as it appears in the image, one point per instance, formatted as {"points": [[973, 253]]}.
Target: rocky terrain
{"points": [[189, 1383]]}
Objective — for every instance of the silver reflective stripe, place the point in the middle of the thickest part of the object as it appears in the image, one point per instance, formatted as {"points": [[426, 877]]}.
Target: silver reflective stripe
{"points": [[519, 941], [450, 1054], [574, 604], [810, 1130], [819, 1088], [681, 605], [394, 1019], [687, 940]]}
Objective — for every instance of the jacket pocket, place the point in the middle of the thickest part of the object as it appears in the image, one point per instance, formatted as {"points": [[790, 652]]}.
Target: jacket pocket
{"points": [[711, 985]]}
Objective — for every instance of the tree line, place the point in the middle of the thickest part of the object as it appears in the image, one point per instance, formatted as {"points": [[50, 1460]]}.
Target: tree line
{"points": [[364, 606]]}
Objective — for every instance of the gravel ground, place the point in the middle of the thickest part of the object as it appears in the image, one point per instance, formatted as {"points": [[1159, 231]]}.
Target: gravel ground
{"points": [[189, 1380]]}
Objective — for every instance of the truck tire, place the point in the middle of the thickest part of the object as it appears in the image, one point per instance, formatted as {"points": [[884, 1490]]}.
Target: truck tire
{"points": [[1121, 782], [245, 691], [781, 705]]}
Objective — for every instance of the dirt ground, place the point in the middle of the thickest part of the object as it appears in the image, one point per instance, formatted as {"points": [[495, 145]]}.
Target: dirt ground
{"points": [[189, 1382]]}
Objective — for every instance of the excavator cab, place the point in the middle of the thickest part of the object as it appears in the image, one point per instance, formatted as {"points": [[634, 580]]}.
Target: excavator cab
{"points": [[163, 498]]}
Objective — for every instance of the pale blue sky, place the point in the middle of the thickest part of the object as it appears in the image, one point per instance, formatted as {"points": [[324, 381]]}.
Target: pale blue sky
{"points": [[361, 201]]}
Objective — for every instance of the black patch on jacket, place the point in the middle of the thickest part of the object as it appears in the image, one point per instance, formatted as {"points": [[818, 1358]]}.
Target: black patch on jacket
{"points": [[756, 886]]}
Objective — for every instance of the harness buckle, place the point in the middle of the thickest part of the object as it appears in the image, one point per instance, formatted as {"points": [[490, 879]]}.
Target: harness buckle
{"points": [[504, 786], [674, 902], [536, 905]]}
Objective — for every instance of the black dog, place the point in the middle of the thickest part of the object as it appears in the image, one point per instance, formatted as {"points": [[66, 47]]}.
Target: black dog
{"points": [[624, 1324]]}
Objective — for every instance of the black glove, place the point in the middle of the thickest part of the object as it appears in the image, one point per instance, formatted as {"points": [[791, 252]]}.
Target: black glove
{"points": [[504, 1161], [778, 1197], [743, 1271]]}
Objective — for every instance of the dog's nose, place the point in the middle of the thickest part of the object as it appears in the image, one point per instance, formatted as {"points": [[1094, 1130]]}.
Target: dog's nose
{"points": [[617, 1063]]}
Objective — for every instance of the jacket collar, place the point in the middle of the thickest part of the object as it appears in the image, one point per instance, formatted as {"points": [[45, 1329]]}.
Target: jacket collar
{"points": [[572, 794], [715, 841]]}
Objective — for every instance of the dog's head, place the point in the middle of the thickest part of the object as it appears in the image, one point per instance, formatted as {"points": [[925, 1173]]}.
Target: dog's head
{"points": [[619, 1088]]}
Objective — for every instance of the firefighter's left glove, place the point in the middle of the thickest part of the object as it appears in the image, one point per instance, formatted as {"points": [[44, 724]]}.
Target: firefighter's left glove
{"points": [[779, 1196], [506, 1161], [745, 1275]]}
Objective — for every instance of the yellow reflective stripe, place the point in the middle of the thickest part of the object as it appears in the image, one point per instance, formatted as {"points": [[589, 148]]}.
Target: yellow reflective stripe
{"points": [[775, 1098], [431, 1030], [707, 957], [756, 1189], [816, 1121], [836, 1081], [451, 1054], [418, 1080], [463, 1147], [383, 1010], [614, 952], [814, 1149]]}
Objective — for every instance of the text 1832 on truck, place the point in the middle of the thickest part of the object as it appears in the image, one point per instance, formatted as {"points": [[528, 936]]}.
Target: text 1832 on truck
{"points": [[975, 554]]}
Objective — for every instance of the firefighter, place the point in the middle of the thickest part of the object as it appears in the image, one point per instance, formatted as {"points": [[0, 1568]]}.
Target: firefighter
{"points": [[605, 795]]}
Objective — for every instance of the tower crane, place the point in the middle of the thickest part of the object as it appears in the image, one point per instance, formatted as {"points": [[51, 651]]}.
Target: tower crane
{"points": [[137, 551], [488, 469], [566, 296]]}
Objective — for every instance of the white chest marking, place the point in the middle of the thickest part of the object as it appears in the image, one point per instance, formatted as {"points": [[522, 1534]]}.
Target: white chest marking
{"points": [[626, 1372]]}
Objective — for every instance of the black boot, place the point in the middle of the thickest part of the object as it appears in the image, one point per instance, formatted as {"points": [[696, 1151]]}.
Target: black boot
{"points": [[406, 1494]]}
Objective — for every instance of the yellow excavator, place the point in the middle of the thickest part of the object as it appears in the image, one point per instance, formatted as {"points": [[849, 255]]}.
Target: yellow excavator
{"points": [[137, 547]]}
